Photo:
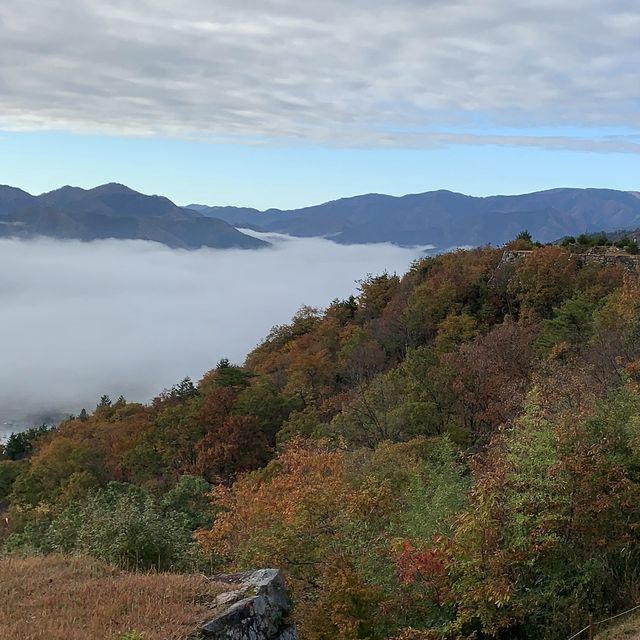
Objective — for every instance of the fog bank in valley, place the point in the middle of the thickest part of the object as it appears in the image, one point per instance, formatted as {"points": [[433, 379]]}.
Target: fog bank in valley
{"points": [[132, 317]]}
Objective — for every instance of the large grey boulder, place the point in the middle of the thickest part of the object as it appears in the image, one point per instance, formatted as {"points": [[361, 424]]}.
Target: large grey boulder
{"points": [[255, 607]]}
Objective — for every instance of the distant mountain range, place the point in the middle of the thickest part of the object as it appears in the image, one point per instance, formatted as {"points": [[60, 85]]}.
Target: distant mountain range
{"points": [[114, 211], [442, 218], [446, 219]]}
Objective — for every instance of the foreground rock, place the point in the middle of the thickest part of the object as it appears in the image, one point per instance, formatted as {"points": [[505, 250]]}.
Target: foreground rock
{"points": [[255, 607]]}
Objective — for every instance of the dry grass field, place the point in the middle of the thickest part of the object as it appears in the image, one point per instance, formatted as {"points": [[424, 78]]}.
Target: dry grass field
{"points": [[628, 629], [63, 598]]}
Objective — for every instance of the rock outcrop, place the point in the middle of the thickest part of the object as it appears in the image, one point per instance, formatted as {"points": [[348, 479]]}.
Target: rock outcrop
{"points": [[255, 607]]}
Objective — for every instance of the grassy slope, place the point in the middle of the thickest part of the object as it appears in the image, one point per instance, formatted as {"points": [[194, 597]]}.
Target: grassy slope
{"points": [[627, 630], [61, 598]]}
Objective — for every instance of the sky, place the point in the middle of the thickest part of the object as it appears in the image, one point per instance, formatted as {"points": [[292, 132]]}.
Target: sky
{"points": [[282, 103], [132, 317]]}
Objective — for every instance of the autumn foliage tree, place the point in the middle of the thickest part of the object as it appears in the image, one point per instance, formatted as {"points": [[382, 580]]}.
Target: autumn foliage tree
{"points": [[551, 534]]}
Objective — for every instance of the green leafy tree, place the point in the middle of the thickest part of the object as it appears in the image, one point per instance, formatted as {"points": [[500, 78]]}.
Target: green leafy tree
{"points": [[142, 464], [267, 405], [190, 497], [571, 322]]}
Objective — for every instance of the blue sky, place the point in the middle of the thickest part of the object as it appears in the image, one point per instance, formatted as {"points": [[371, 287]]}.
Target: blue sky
{"points": [[291, 177], [278, 103]]}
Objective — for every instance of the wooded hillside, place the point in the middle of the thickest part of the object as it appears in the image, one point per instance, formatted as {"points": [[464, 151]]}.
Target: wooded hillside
{"points": [[454, 453]]}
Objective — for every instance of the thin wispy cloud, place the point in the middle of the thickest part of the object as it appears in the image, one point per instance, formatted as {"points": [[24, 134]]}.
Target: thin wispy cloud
{"points": [[133, 317], [408, 73]]}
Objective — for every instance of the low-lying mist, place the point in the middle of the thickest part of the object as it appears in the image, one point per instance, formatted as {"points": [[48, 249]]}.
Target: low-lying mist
{"points": [[131, 317]]}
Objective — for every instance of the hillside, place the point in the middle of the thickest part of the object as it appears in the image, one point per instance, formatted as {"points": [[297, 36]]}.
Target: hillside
{"points": [[447, 219], [448, 454], [113, 211]]}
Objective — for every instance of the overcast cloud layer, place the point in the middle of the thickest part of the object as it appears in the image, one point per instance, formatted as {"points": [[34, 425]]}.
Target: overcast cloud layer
{"points": [[415, 73], [132, 317]]}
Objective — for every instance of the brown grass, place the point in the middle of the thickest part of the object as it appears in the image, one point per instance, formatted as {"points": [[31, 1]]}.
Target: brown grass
{"points": [[629, 629], [64, 598]]}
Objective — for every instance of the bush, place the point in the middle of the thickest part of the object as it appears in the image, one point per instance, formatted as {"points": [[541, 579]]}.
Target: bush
{"points": [[124, 525]]}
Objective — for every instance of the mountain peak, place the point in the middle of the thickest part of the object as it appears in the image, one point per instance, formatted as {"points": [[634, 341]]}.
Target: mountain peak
{"points": [[114, 210], [15, 192], [64, 190], [113, 188], [109, 188]]}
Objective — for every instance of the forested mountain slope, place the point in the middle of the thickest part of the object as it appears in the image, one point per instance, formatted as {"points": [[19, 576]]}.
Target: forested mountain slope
{"points": [[452, 453], [447, 219], [113, 211]]}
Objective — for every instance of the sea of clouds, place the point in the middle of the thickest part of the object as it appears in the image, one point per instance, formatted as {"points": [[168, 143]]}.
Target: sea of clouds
{"points": [[131, 317]]}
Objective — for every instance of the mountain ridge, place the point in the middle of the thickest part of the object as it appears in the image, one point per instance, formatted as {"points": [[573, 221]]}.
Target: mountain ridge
{"points": [[442, 218], [446, 218], [114, 210]]}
